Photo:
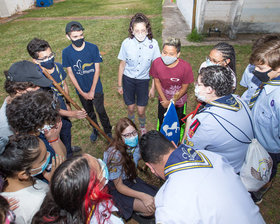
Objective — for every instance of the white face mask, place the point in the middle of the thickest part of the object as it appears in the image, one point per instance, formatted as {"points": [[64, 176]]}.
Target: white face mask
{"points": [[196, 93], [168, 60], [140, 36], [209, 63]]}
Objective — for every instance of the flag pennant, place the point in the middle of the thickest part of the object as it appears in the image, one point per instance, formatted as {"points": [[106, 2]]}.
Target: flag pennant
{"points": [[170, 127]]}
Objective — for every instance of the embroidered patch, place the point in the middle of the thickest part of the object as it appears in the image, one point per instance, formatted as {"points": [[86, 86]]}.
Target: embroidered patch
{"points": [[187, 142], [193, 128], [151, 46], [272, 103]]}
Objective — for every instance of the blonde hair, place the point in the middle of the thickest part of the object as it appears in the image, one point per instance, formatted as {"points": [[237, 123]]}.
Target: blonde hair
{"points": [[172, 41]]}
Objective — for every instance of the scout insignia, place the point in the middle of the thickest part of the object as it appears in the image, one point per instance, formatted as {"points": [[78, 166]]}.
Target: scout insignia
{"points": [[193, 127]]}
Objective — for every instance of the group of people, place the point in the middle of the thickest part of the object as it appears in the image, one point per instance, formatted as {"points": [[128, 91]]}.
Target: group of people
{"points": [[44, 182]]}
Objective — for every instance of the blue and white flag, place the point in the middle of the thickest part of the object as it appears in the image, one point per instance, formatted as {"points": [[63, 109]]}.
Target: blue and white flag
{"points": [[170, 127]]}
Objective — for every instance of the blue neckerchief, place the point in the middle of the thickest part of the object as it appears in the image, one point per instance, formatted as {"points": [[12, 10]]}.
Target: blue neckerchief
{"points": [[272, 82], [227, 102], [184, 158]]}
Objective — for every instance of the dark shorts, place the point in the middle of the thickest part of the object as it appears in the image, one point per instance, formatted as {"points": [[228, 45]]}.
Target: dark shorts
{"points": [[125, 203], [276, 160], [135, 90]]}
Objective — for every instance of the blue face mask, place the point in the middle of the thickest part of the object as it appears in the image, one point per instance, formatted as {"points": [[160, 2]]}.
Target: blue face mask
{"points": [[132, 141], [49, 64], [104, 170], [168, 60], [43, 166]]}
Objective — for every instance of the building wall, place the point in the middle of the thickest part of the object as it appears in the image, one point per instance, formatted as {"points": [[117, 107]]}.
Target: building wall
{"points": [[260, 16], [257, 16], [10, 7]]}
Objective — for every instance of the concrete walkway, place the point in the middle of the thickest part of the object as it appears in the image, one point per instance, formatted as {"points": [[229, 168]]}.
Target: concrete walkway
{"points": [[174, 25]]}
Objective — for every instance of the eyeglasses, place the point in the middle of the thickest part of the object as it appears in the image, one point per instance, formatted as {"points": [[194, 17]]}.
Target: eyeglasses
{"points": [[46, 58], [131, 134], [213, 60]]}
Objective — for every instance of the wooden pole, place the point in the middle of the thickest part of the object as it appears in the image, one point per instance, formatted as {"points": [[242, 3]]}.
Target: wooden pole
{"points": [[68, 98], [194, 14]]}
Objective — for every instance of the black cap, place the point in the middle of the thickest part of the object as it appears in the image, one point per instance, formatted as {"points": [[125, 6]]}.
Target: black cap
{"points": [[70, 24], [26, 71]]}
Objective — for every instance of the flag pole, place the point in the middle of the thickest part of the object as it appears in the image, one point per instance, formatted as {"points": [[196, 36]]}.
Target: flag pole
{"points": [[68, 98]]}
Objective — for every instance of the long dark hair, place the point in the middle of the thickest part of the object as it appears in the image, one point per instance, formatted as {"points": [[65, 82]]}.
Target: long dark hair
{"points": [[74, 191], [19, 155], [140, 18], [118, 143]]}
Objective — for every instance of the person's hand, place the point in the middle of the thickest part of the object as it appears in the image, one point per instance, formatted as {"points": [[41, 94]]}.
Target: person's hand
{"points": [[85, 95], [120, 90], [14, 203], [165, 103], [54, 132], [79, 114], [149, 202], [91, 95], [152, 93], [56, 161]]}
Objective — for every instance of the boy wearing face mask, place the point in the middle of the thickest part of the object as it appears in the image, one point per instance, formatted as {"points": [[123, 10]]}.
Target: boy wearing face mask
{"points": [[42, 55], [82, 61], [136, 54], [172, 77]]}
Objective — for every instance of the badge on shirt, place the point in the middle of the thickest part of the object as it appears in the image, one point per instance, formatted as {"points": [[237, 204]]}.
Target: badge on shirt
{"points": [[193, 127], [151, 46]]}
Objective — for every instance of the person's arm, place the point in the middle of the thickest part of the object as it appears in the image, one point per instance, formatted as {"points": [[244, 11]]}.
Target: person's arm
{"points": [[79, 114], [76, 84], [53, 137], [164, 102], [120, 75], [152, 90], [95, 80], [147, 199], [181, 92]]}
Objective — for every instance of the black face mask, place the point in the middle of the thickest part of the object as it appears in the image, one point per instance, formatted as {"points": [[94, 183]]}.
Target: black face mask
{"points": [[79, 42], [262, 76]]}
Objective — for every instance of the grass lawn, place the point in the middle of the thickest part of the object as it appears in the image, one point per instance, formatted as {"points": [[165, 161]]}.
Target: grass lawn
{"points": [[108, 35]]}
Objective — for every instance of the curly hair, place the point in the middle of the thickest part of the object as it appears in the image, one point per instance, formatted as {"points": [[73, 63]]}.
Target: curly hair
{"points": [[228, 52], [74, 190], [12, 88], [219, 78], [267, 53], [19, 155], [35, 46], [140, 18], [127, 160], [31, 111]]}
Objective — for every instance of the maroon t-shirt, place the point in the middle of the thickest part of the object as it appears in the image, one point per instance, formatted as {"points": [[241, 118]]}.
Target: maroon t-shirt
{"points": [[171, 79]]}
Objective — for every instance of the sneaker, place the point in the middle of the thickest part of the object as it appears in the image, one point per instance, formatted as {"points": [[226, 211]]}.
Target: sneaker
{"points": [[143, 131], [257, 198], [76, 148], [93, 136]]}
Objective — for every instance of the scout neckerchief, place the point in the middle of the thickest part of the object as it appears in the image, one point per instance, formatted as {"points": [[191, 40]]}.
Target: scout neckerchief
{"points": [[185, 158], [59, 83], [273, 82], [228, 102], [90, 214]]}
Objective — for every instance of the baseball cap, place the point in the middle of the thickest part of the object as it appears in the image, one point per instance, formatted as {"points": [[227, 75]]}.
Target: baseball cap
{"points": [[26, 71], [70, 24]]}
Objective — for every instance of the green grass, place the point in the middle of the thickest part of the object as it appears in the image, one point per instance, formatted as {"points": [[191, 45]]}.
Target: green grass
{"points": [[108, 35], [98, 8]]}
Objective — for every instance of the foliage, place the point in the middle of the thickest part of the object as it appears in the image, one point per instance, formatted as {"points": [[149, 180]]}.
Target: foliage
{"points": [[194, 36]]}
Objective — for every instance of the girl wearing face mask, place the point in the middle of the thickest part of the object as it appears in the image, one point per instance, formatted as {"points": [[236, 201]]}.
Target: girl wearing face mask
{"points": [[24, 157], [130, 193], [136, 54], [78, 194], [222, 54]]}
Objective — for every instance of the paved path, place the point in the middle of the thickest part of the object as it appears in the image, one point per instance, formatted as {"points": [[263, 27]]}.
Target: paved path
{"points": [[174, 25]]}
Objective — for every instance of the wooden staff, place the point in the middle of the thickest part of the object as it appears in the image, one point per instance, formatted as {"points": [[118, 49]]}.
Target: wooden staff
{"points": [[58, 87]]}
